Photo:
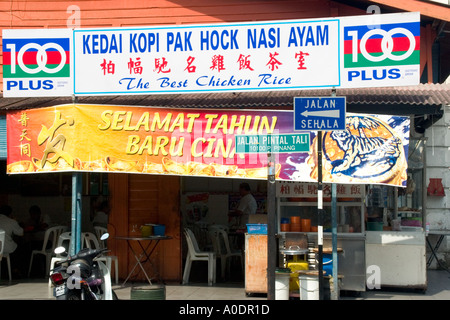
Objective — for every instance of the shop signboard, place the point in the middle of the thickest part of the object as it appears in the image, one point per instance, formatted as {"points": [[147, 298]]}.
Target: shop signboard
{"points": [[291, 189], [341, 52], [200, 142], [285, 143]]}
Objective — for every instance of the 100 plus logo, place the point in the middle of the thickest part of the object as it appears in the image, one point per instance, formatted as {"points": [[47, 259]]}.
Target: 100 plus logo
{"points": [[35, 59], [388, 45], [39, 58]]}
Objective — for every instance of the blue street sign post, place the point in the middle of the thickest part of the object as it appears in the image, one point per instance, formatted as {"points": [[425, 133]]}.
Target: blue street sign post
{"points": [[320, 114], [271, 144]]}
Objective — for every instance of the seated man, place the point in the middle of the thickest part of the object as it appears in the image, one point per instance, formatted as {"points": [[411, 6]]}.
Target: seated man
{"points": [[36, 226], [11, 227]]}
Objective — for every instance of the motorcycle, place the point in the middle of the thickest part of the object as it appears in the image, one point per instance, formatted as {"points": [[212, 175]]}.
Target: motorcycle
{"points": [[82, 276]]}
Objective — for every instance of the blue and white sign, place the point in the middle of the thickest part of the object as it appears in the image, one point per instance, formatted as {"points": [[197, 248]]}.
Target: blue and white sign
{"points": [[340, 52], [319, 113]]}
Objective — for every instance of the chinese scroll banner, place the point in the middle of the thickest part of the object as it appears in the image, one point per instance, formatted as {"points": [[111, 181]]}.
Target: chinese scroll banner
{"points": [[199, 142]]}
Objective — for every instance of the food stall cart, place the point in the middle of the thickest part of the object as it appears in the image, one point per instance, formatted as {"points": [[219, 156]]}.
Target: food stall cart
{"points": [[299, 199]]}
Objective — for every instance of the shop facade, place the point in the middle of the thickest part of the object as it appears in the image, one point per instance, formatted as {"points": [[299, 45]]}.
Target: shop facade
{"points": [[137, 199]]}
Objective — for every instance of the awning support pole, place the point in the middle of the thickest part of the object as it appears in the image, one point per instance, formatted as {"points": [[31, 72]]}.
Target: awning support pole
{"points": [[334, 291], [320, 213], [271, 228], [76, 214]]}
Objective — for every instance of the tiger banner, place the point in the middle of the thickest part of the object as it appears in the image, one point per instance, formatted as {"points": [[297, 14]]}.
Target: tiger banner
{"points": [[200, 142]]}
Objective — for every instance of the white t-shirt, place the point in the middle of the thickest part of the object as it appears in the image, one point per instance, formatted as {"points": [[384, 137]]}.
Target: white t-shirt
{"points": [[247, 204], [11, 227]]}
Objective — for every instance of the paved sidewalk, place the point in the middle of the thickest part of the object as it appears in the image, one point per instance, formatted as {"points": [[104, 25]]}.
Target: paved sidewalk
{"points": [[438, 289]]}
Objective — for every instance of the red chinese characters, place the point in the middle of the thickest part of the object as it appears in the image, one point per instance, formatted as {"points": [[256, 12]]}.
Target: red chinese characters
{"points": [[244, 62], [190, 68], [108, 67], [217, 63], [273, 62], [134, 66], [161, 65], [300, 56]]}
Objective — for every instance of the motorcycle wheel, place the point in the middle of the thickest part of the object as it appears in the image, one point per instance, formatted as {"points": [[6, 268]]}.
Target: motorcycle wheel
{"points": [[71, 295], [74, 295]]}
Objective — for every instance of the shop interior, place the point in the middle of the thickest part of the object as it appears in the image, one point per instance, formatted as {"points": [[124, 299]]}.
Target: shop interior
{"points": [[52, 193], [206, 203]]}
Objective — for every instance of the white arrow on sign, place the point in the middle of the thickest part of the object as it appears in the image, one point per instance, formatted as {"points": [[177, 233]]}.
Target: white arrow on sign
{"points": [[324, 113]]}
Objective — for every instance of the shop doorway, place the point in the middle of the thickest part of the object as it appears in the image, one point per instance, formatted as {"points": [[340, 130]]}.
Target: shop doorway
{"points": [[208, 205]]}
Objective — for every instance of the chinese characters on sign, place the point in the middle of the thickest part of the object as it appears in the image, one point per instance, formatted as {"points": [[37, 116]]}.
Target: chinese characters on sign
{"points": [[55, 145], [217, 63], [309, 190], [24, 147]]}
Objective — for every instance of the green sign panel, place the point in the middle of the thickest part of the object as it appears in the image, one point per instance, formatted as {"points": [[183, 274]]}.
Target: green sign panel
{"points": [[277, 143]]}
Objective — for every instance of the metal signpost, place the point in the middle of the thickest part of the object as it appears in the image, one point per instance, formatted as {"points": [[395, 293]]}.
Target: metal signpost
{"points": [[272, 144], [319, 114]]}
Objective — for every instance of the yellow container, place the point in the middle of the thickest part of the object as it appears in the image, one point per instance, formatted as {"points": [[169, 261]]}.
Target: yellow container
{"points": [[146, 230], [296, 265]]}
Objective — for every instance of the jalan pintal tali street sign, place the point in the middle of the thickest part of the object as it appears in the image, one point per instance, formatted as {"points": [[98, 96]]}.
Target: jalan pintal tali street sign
{"points": [[281, 143], [319, 113]]}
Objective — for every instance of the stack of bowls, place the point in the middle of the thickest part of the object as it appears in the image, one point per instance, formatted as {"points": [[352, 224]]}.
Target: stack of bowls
{"points": [[296, 225], [284, 225], [311, 256], [306, 225]]}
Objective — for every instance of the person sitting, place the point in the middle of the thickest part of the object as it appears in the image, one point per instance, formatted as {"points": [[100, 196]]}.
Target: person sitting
{"points": [[247, 205], [101, 215], [36, 226], [11, 228]]}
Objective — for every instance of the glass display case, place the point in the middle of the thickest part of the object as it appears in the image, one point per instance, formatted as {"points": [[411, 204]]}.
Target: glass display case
{"points": [[298, 200]]}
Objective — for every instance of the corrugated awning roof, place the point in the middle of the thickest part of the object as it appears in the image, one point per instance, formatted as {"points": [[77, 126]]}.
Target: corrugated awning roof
{"points": [[423, 98]]}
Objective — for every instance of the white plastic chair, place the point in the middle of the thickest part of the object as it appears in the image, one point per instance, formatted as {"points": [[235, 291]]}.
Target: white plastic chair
{"points": [[51, 234], [222, 247], [89, 240], [6, 255], [99, 231], [194, 254]]}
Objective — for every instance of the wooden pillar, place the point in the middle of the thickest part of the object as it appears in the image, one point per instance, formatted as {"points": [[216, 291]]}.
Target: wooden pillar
{"points": [[429, 53], [427, 37], [170, 263], [118, 219]]}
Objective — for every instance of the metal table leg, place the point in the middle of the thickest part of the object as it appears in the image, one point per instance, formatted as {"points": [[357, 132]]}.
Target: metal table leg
{"points": [[138, 261], [434, 250]]}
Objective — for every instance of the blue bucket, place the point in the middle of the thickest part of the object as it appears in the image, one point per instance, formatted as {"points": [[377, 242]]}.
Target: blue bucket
{"points": [[159, 230], [327, 263]]}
